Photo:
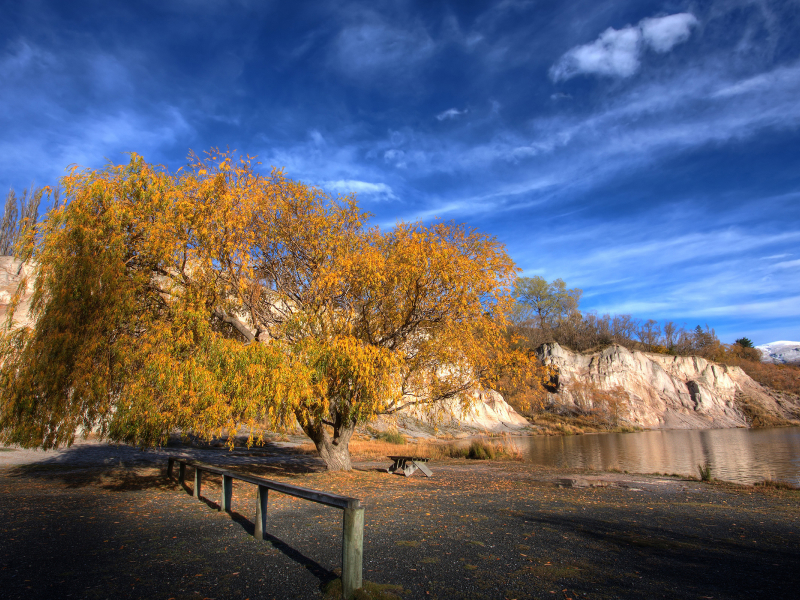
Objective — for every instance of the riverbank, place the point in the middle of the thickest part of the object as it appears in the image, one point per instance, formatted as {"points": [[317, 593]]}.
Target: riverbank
{"points": [[81, 525]]}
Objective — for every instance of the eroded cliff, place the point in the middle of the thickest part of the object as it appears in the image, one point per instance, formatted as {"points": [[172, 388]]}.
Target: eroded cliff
{"points": [[660, 391]]}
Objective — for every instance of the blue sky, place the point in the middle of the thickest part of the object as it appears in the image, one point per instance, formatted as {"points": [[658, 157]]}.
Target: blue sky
{"points": [[646, 152]]}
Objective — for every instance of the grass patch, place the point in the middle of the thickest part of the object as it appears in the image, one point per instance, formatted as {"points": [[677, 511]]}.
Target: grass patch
{"points": [[483, 450], [776, 485], [392, 437], [705, 472], [550, 423]]}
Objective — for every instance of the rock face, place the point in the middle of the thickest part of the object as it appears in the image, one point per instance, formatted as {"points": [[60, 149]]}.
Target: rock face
{"points": [[659, 391], [11, 272], [489, 414]]}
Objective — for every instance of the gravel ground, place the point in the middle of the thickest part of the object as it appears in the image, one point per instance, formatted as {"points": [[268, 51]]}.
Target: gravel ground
{"points": [[102, 521]]}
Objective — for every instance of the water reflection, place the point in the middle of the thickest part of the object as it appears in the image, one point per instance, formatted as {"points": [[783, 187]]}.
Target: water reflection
{"points": [[741, 455]]}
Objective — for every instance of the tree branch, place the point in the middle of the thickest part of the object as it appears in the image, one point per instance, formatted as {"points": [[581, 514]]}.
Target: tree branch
{"points": [[237, 324]]}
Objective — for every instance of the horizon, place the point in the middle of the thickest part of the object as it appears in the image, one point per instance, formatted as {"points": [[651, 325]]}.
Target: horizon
{"points": [[645, 152]]}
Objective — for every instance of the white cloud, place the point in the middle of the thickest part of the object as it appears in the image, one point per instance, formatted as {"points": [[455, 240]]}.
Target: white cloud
{"points": [[786, 264], [783, 79], [662, 33], [316, 137], [617, 52], [395, 157], [379, 191], [451, 113]]}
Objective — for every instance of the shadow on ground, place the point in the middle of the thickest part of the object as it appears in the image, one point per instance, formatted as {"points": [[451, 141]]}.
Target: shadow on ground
{"points": [[126, 468]]}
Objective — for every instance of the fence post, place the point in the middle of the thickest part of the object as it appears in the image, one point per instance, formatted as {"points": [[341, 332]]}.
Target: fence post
{"points": [[261, 511], [352, 550], [227, 491], [197, 482], [181, 472], [170, 464]]}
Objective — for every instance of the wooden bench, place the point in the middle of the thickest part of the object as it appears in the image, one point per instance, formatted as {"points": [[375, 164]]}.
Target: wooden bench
{"points": [[353, 520], [409, 464]]}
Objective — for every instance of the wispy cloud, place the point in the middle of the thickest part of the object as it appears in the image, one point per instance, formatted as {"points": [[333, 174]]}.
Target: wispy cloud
{"points": [[373, 191], [450, 113], [373, 47]]}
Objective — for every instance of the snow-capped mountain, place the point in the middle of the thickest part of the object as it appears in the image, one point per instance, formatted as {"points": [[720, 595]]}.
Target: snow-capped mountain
{"points": [[780, 352]]}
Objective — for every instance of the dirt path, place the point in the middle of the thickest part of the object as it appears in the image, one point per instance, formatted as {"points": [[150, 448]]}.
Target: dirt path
{"points": [[80, 525]]}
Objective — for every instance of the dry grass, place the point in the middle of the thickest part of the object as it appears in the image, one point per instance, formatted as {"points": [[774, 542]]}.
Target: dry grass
{"points": [[555, 424], [434, 450], [776, 484], [784, 378]]}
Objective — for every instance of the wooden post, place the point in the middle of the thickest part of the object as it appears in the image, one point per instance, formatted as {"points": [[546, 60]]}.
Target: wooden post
{"points": [[352, 551], [261, 511], [197, 482], [170, 464], [181, 472], [227, 492]]}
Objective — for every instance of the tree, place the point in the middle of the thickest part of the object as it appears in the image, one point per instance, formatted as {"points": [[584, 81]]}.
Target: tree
{"points": [[649, 333], [216, 298], [13, 227], [744, 342], [547, 303]]}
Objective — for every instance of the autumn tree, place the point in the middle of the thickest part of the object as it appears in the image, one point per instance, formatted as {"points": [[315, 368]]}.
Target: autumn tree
{"points": [[217, 298]]}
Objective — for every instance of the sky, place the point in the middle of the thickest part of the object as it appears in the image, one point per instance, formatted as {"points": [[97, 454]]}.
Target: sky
{"points": [[645, 152]]}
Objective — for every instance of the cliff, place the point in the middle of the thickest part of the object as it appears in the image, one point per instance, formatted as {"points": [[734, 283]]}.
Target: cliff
{"points": [[11, 272], [659, 391]]}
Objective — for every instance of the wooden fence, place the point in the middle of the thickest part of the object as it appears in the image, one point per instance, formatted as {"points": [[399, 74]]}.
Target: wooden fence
{"points": [[353, 520]]}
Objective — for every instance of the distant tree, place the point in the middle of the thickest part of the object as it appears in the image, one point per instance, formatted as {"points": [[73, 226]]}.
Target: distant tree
{"points": [[649, 333], [744, 342], [217, 298], [546, 303]]}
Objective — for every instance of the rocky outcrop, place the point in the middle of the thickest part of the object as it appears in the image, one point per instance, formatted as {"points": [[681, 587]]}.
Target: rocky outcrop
{"points": [[11, 273], [489, 413], [660, 391]]}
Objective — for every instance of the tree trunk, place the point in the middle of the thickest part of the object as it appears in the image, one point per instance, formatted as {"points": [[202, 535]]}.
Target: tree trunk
{"points": [[334, 449]]}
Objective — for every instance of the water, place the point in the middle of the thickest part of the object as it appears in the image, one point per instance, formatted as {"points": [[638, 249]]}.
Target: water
{"points": [[739, 455]]}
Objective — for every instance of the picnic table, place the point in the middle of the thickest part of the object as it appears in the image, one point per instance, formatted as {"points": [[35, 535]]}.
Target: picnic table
{"points": [[409, 464]]}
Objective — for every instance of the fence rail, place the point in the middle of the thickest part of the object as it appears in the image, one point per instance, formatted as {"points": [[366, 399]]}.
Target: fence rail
{"points": [[352, 521]]}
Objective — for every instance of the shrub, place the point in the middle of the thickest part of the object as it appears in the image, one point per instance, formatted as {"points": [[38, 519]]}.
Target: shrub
{"points": [[481, 451], [705, 472], [391, 437]]}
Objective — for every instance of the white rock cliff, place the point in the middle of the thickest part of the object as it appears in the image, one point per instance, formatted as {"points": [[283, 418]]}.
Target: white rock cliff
{"points": [[667, 392]]}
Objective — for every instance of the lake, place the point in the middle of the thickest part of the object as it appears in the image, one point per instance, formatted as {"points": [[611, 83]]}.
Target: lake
{"points": [[739, 455]]}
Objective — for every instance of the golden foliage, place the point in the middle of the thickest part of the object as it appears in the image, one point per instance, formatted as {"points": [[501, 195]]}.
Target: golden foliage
{"points": [[216, 297]]}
